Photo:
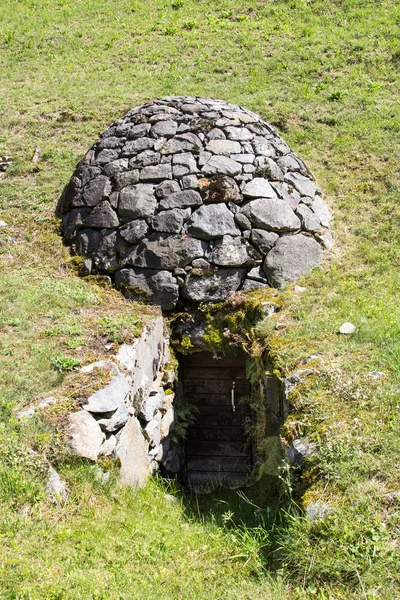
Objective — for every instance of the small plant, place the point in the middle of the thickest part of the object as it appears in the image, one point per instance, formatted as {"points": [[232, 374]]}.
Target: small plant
{"points": [[189, 25], [186, 415], [337, 95], [121, 328], [64, 330], [170, 31], [177, 4], [64, 363]]}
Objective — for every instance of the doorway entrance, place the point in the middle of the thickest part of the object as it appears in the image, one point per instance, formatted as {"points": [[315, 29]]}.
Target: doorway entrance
{"points": [[218, 449]]}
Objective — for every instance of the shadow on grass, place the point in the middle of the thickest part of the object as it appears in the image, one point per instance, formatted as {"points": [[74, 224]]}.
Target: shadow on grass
{"points": [[252, 516]]}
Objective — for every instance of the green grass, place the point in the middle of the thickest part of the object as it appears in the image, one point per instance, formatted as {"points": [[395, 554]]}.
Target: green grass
{"points": [[327, 75]]}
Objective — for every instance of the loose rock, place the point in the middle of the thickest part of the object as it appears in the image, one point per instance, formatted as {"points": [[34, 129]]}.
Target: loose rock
{"points": [[347, 329], [84, 435]]}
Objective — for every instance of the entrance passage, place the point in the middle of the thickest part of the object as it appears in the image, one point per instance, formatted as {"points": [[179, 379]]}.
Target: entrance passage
{"points": [[217, 449]]}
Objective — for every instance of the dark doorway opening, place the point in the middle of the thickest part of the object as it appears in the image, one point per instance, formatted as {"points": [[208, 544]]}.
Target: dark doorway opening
{"points": [[218, 448]]}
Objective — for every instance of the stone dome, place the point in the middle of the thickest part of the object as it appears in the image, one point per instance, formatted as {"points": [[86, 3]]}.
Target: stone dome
{"points": [[192, 199]]}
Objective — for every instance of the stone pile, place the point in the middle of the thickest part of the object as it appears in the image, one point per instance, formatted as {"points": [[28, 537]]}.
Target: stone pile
{"points": [[193, 199]]}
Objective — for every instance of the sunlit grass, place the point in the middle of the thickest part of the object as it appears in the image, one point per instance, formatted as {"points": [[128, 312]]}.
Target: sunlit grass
{"points": [[326, 75]]}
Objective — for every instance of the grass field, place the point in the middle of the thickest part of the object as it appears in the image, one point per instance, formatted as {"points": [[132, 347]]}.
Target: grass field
{"points": [[326, 74]]}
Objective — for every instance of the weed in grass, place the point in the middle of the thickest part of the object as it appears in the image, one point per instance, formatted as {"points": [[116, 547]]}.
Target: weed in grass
{"points": [[64, 363], [120, 328]]}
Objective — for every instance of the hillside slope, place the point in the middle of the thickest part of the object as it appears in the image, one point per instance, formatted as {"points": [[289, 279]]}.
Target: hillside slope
{"points": [[327, 76]]}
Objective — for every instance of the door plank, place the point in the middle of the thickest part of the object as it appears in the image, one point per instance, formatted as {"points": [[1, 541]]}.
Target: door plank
{"points": [[193, 386], [210, 448], [228, 373], [217, 434], [206, 359], [239, 420], [214, 479], [218, 464]]}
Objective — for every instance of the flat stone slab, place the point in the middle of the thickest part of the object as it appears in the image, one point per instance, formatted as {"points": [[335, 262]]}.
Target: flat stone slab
{"points": [[271, 214], [212, 221], [137, 201], [110, 397], [263, 240], [221, 165], [118, 420], [202, 286], [159, 287], [225, 147], [259, 188], [161, 251], [302, 184], [184, 199], [170, 221], [230, 251], [156, 173], [133, 452]]}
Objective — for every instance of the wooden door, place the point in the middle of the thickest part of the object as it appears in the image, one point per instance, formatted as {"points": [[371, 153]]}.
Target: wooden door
{"points": [[217, 449]]}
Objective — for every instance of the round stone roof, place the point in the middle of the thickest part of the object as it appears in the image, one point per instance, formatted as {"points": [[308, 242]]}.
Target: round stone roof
{"points": [[192, 199]]}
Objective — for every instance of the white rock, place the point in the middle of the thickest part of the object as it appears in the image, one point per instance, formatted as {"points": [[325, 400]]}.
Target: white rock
{"points": [[132, 450], [127, 356], [151, 404], [47, 402], [376, 374], [302, 184], [3, 224], [325, 238], [153, 430], [110, 397], [299, 289], [347, 328], [101, 476], [118, 419], [321, 210], [103, 423], [170, 498], [269, 308], [315, 511], [56, 488], [167, 423], [221, 165], [27, 413], [108, 365], [84, 435], [241, 134], [259, 188], [108, 446]]}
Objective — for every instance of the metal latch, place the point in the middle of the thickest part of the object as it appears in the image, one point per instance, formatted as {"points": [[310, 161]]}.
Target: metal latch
{"points": [[233, 396]]}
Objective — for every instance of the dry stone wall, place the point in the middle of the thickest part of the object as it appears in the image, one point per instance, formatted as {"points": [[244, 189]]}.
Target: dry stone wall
{"points": [[130, 419], [192, 199]]}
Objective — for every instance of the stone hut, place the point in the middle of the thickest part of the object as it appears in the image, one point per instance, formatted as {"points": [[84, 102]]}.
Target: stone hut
{"points": [[190, 199], [182, 202]]}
